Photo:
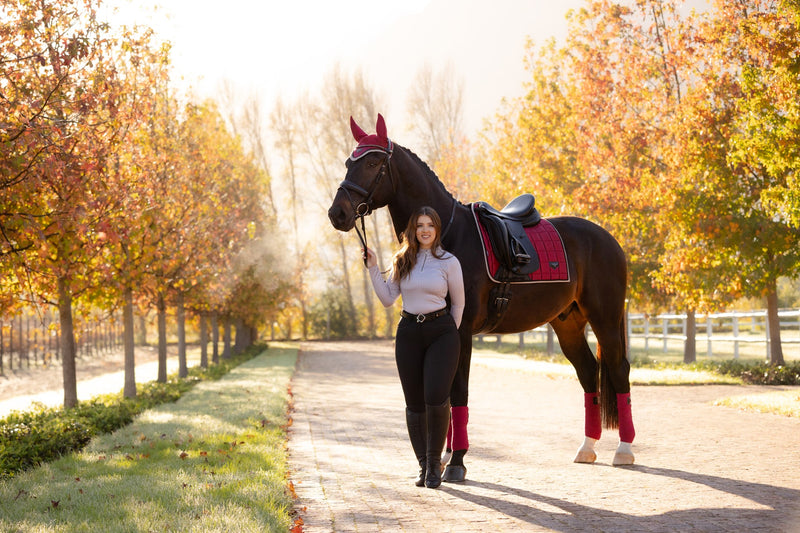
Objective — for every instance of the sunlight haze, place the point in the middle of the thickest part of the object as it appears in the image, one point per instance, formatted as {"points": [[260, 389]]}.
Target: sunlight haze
{"points": [[285, 48]]}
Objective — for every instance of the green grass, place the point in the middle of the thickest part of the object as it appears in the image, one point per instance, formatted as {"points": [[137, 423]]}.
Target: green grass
{"points": [[782, 402], [215, 460]]}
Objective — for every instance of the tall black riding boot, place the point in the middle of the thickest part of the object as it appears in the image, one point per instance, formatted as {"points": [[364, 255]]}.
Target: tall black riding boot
{"points": [[438, 421], [418, 433]]}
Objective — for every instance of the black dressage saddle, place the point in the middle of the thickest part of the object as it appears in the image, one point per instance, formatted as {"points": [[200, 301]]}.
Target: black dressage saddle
{"points": [[506, 229]]}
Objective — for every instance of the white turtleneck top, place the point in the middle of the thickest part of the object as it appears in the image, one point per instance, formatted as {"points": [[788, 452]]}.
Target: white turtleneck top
{"points": [[426, 286]]}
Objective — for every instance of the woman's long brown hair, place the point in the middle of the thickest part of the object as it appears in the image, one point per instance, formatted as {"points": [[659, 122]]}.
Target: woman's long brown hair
{"points": [[406, 256]]}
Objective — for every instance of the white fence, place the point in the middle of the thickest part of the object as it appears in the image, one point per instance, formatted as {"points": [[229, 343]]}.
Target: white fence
{"points": [[734, 329]]}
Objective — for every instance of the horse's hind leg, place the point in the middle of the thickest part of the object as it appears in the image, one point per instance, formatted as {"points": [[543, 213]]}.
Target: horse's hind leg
{"points": [[615, 375], [572, 339]]}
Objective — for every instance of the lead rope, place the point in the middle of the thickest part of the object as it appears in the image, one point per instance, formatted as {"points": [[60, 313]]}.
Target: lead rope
{"points": [[362, 236]]}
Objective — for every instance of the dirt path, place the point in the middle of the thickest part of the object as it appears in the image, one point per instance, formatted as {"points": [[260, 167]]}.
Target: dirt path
{"points": [[97, 375], [698, 467]]}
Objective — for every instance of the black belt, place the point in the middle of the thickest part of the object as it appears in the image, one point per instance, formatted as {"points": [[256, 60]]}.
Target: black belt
{"points": [[421, 317]]}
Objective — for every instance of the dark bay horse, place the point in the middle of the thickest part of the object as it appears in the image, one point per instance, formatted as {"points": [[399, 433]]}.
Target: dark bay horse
{"points": [[381, 173]]}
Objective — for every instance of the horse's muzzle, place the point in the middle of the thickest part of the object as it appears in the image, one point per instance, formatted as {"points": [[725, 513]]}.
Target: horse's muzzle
{"points": [[340, 218]]}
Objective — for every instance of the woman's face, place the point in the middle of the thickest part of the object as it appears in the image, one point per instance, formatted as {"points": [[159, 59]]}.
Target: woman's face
{"points": [[426, 232]]}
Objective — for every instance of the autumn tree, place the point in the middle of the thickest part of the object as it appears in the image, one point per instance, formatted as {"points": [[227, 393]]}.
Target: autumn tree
{"points": [[127, 233], [735, 137], [210, 201], [64, 73], [591, 137]]}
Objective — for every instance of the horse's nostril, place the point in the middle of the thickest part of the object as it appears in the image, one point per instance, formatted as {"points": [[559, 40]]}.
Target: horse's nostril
{"points": [[337, 216]]}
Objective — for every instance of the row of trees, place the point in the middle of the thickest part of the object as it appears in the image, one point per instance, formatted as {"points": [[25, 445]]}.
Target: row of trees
{"points": [[678, 132], [117, 191]]}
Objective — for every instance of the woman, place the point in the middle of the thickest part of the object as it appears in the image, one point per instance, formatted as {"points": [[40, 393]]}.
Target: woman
{"points": [[427, 341]]}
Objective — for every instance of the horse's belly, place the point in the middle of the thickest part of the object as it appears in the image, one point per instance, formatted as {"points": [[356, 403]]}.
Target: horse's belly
{"points": [[532, 305]]}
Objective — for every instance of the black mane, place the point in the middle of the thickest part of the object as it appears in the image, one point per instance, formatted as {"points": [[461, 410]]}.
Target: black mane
{"points": [[428, 170]]}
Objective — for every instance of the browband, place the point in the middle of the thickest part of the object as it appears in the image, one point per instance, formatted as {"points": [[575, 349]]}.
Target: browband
{"points": [[364, 149]]}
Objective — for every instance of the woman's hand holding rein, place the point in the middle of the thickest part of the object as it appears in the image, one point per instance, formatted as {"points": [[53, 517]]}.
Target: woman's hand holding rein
{"points": [[371, 259]]}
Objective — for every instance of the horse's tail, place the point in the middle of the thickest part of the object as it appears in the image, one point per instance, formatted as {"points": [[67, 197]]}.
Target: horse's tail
{"points": [[608, 393], [608, 398]]}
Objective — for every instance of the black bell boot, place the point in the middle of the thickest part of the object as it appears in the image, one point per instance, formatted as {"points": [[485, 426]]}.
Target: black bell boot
{"points": [[456, 472], [418, 433], [438, 422]]}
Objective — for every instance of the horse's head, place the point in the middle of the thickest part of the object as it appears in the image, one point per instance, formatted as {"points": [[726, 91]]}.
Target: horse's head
{"points": [[368, 183]]}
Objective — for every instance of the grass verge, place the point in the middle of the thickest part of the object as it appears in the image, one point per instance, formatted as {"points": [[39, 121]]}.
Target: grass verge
{"points": [[215, 460], [783, 402]]}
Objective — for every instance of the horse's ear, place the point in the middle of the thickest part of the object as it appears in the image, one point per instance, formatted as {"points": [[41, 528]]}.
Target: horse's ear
{"points": [[380, 128], [358, 133]]}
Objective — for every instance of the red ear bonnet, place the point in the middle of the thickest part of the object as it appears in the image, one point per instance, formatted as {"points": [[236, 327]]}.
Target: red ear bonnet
{"points": [[370, 143], [358, 133]]}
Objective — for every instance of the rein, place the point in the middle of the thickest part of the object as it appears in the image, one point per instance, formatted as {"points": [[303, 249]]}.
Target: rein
{"points": [[365, 208]]}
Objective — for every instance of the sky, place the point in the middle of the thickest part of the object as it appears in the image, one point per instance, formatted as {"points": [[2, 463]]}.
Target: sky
{"points": [[284, 48]]}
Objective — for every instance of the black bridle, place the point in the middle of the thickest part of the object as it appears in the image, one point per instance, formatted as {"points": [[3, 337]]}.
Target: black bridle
{"points": [[365, 207]]}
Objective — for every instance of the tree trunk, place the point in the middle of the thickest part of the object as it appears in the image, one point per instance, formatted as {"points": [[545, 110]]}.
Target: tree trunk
{"points": [[239, 342], [214, 338], [245, 339], [226, 338], [129, 390], [67, 344], [203, 341], [162, 339], [141, 331], [774, 325], [183, 367], [690, 348], [303, 313]]}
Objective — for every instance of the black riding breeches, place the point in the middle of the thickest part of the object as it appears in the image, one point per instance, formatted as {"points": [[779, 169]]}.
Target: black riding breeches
{"points": [[427, 357]]}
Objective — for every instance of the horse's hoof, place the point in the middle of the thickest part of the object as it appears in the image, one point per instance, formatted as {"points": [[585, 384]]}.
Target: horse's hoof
{"points": [[585, 456], [455, 473], [622, 458], [446, 458]]}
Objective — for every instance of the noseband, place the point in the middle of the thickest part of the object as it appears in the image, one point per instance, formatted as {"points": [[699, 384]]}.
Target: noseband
{"points": [[365, 207]]}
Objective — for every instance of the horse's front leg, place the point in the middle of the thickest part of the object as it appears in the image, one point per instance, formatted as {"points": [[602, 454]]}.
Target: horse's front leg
{"points": [[573, 343], [458, 440]]}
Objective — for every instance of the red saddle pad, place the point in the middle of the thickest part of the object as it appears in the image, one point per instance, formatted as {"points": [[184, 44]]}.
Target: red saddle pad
{"points": [[548, 244]]}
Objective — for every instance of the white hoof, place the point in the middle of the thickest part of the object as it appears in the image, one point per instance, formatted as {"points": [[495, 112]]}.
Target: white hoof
{"points": [[624, 455], [585, 456], [586, 452], [446, 459]]}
